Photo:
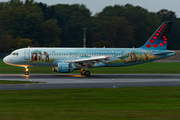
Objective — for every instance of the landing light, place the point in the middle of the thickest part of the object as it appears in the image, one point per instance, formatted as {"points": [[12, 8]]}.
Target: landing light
{"points": [[27, 69]]}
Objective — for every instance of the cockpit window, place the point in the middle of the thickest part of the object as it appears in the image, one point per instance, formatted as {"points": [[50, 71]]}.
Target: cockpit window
{"points": [[15, 54]]}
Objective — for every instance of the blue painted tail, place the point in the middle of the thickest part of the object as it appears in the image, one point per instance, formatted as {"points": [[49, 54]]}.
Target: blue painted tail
{"points": [[159, 40]]}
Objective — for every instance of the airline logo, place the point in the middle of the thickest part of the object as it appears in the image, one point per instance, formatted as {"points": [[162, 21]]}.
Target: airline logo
{"points": [[158, 40]]}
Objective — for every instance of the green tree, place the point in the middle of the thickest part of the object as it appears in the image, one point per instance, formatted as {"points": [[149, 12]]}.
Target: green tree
{"points": [[166, 15], [22, 19], [115, 30], [5, 40], [73, 19], [61, 25], [101, 44], [24, 42], [51, 33], [141, 20]]}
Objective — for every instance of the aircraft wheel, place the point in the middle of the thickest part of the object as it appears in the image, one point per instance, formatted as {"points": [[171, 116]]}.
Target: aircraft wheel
{"points": [[26, 73], [87, 73]]}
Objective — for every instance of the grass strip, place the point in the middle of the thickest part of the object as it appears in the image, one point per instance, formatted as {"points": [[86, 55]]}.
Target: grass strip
{"points": [[16, 82], [134, 103]]}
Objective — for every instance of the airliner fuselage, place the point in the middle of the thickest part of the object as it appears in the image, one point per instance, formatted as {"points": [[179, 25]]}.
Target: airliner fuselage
{"points": [[117, 57]]}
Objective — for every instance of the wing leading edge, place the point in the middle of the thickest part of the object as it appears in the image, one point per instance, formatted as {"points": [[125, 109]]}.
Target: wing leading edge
{"points": [[90, 61]]}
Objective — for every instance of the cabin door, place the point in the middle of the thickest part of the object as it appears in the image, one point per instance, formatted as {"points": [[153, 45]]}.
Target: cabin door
{"points": [[27, 54]]}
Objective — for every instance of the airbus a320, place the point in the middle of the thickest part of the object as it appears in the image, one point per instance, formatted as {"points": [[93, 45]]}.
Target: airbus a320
{"points": [[67, 60]]}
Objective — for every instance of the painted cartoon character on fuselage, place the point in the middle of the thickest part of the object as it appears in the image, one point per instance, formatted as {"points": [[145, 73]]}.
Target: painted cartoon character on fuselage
{"points": [[132, 57], [36, 56], [40, 56], [46, 57]]}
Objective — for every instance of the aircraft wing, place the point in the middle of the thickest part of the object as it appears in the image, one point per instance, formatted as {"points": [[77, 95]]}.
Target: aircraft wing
{"points": [[91, 61]]}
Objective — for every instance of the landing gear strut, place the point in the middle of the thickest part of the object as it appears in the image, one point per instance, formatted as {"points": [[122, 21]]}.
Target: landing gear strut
{"points": [[85, 72], [26, 70]]}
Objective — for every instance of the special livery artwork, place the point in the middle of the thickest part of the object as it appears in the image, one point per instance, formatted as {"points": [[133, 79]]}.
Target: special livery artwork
{"points": [[135, 57], [126, 57], [40, 57]]}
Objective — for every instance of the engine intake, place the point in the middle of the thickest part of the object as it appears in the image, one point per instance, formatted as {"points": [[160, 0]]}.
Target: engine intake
{"points": [[64, 68]]}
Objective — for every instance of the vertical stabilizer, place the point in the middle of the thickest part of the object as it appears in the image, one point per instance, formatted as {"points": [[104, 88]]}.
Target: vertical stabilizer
{"points": [[159, 39]]}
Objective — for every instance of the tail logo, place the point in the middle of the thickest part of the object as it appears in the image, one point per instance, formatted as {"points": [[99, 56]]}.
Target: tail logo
{"points": [[159, 39]]}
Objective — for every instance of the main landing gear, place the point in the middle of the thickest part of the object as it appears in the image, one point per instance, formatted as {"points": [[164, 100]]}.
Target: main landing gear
{"points": [[85, 72], [26, 70]]}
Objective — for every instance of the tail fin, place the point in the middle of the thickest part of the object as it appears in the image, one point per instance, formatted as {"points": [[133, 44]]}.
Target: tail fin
{"points": [[159, 39]]}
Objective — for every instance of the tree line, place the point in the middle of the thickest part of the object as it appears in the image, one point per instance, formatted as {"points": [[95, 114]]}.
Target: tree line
{"points": [[30, 23]]}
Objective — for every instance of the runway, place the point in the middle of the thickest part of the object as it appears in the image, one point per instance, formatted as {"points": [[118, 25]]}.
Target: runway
{"points": [[61, 81]]}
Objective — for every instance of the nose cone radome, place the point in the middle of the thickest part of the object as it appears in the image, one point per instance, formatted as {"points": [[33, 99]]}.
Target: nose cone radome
{"points": [[5, 60]]}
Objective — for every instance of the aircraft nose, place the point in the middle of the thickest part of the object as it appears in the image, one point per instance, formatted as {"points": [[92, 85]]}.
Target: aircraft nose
{"points": [[5, 60]]}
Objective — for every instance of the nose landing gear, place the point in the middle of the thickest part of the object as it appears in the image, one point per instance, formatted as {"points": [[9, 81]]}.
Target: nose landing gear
{"points": [[26, 70]]}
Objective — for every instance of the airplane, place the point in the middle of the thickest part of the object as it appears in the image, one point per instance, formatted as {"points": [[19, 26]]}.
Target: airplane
{"points": [[67, 60]]}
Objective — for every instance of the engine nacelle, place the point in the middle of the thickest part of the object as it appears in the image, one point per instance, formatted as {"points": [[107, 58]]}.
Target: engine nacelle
{"points": [[64, 68]]}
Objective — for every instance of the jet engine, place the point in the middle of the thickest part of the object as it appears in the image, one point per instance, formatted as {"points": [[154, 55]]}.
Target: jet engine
{"points": [[64, 68]]}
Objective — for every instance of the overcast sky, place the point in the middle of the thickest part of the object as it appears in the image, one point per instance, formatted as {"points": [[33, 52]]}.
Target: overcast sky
{"points": [[97, 5]]}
